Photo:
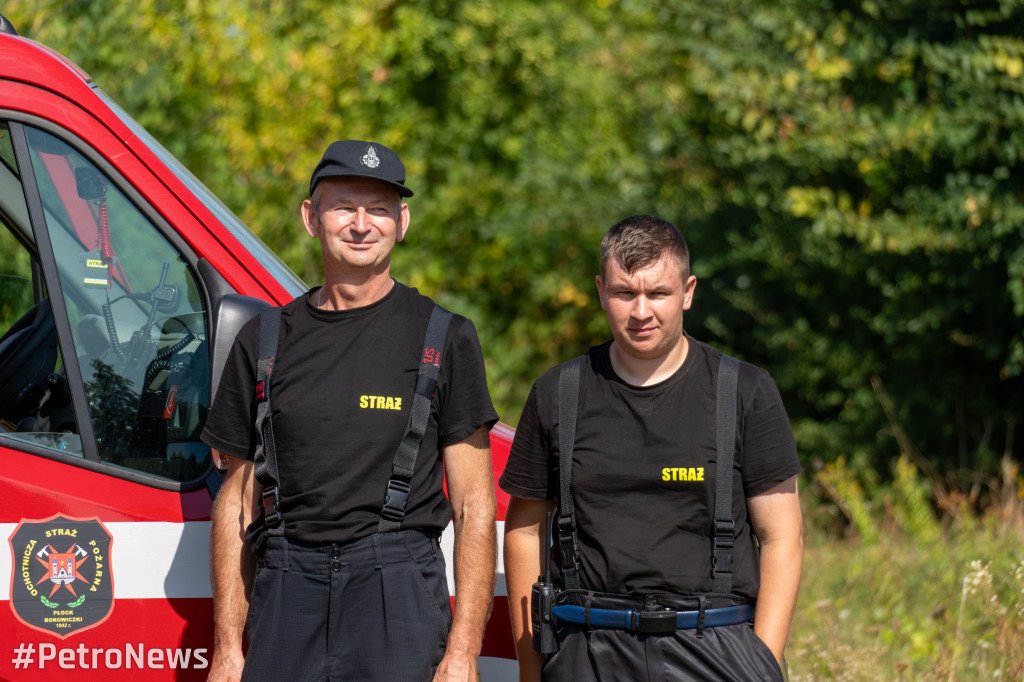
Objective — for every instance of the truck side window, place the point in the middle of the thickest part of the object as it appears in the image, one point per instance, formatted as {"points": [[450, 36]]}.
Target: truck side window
{"points": [[138, 321], [28, 339]]}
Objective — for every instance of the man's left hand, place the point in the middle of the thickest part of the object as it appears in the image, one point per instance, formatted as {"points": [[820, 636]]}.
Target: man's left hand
{"points": [[457, 668]]}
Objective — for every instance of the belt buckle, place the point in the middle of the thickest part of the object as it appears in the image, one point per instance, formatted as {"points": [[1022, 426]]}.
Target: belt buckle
{"points": [[657, 622]]}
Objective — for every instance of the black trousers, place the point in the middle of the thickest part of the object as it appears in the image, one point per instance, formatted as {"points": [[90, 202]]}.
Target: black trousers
{"points": [[732, 653], [375, 609]]}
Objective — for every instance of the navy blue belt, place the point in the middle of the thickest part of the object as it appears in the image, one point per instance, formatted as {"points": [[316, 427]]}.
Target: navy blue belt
{"points": [[632, 620]]}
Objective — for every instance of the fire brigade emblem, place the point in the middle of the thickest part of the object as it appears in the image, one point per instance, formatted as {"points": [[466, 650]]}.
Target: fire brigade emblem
{"points": [[61, 582], [370, 158]]}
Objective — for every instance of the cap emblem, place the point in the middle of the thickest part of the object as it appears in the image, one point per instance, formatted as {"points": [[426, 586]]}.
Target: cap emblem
{"points": [[370, 158]]}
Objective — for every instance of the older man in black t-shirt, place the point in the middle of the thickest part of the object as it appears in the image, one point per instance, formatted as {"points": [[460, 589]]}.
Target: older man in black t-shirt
{"points": [[643, 486], [345, 591]]}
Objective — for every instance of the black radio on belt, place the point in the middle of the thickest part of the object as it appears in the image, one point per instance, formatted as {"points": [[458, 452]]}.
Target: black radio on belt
{"points": [[542, 600]]}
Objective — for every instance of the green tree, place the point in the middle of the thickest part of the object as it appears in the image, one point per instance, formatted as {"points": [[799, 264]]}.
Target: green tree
{"points": [[865, 160], [848, 174]]}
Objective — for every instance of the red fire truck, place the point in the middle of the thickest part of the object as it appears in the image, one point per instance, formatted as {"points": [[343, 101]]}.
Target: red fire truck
{"points": [[122, 283]]}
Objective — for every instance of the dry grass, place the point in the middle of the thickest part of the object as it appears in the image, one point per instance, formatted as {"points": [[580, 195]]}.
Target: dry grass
{"points": [[916, 597]]}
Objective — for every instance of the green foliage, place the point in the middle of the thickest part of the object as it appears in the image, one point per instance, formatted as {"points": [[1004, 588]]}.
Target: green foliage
{"points": [[865, 161], [842, 487], [848, 174], [15, 269], [911, 503]]}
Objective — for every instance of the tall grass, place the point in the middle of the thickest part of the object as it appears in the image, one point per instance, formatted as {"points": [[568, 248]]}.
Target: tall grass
{"points": [[912, 593]]}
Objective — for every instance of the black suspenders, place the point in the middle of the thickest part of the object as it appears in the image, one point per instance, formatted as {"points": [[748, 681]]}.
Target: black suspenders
{"points": [[265, 457], [397, 493], [568, 403], [722, 532]]}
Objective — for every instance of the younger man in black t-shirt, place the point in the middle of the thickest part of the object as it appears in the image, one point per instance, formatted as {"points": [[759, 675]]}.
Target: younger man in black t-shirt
{"points": [[643, 485]]}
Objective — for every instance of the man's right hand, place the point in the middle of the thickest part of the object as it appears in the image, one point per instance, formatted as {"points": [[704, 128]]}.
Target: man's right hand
{"points": [[232, 567]]}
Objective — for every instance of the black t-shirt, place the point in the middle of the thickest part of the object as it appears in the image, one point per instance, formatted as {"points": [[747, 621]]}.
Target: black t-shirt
{"points": [[644, 471], [341, 390]]}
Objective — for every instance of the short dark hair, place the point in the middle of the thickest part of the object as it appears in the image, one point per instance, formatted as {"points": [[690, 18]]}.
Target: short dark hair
{"points": [[640, 240]]}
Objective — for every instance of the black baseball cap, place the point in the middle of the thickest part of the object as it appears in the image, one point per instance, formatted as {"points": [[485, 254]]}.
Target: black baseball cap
{"points": [[355, 158]]}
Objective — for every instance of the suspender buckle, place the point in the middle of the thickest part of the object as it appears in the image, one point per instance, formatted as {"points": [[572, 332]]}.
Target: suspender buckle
{"points": [[568, 541], [271, 506], [725, 530], [721, 561], [395, 499]]}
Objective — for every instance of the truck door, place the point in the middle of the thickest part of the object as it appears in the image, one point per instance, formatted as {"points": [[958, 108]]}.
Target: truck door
{"points": [[104, 386]]}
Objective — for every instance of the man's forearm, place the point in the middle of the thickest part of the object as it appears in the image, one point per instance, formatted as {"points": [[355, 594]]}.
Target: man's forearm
{"points": [[475, 557], [780, 582], [524, 528], [471, 492], [775, 515], [231, 567]]}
